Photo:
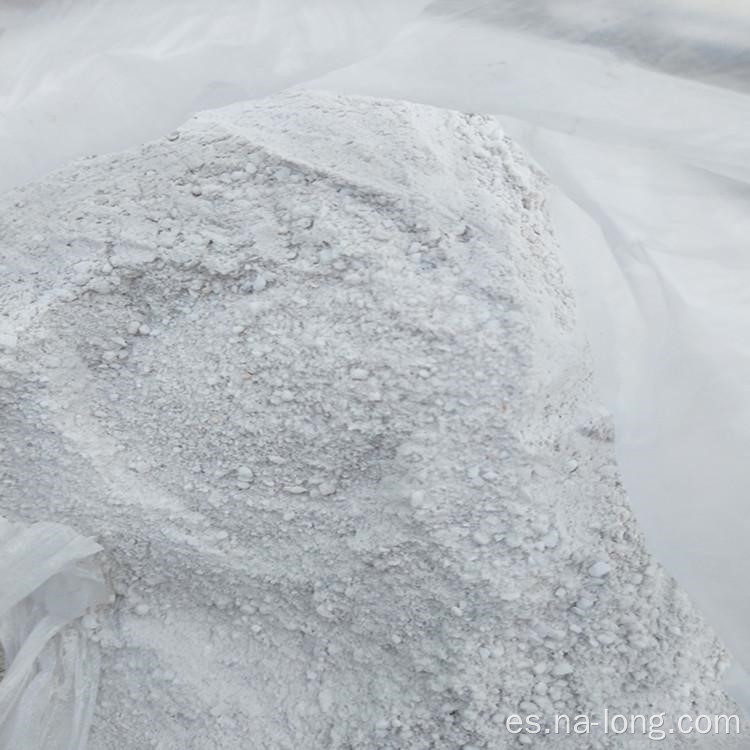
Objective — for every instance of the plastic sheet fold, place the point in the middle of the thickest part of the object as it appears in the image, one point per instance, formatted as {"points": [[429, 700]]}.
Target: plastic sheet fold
{"points": [[48, 580]]}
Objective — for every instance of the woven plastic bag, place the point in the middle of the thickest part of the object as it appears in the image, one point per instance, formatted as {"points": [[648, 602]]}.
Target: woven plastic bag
{"points": [[48, 580]]}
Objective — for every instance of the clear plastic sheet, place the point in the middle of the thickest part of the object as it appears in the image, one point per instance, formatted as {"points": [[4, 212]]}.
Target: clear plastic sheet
{"points": [[638, 111], [49, 687]]}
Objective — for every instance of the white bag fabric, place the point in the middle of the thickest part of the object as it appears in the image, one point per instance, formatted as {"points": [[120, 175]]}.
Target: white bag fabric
{"points": [[47, 582]]}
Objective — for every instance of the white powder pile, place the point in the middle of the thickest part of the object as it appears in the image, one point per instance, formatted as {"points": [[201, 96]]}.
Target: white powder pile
{"points": [[308, 369]]}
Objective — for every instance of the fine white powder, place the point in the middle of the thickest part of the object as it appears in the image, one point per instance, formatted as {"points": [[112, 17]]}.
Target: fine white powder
{"points": [[309, 370]]}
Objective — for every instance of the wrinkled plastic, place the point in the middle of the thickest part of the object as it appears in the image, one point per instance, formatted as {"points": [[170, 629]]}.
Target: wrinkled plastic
{"points": [[47, 582]]}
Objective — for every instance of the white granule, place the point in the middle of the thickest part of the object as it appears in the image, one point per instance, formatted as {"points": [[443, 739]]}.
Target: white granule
{"points": [[308, 369]]}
